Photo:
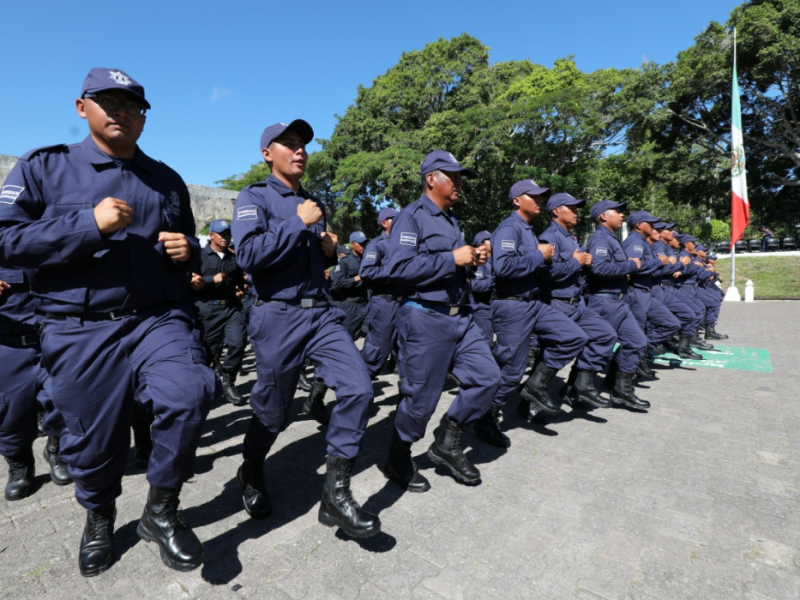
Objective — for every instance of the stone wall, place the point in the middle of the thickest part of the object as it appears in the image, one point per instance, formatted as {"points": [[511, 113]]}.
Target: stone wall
{"points": [[207, 203]]}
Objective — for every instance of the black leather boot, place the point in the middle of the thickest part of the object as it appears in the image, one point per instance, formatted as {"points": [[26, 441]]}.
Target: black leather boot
{"points": [[314, 406], [97, 544], [40, 421], [528, 410], [255, 497], [401, 469], [585, 391], [229, 390], [488, 428], [567, 392], [712, 334], [643, 369], [535, 389], [696, 342], [338, 507], [303, 383], [533, 355], [685, 348], [446, 451], [624, 394], [610, 380], [179, 547], [142, 445], [21, 471], [58, 468]]}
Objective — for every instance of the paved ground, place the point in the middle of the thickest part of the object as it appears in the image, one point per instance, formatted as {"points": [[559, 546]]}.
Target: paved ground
{"points": [[696, 499]]}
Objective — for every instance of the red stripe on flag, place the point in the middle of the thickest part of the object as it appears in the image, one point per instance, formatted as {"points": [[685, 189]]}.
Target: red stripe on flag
{"points": [[740, 217]]}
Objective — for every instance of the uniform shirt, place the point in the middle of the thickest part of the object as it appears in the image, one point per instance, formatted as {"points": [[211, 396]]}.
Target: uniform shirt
{"points": [[515, 257], [343, 282], [691, 272], [374, 266], [665, 273], [421, 261], [47, 222], [481, 282], [211, 264], [16, 303], [610, 264], [563, 277], [636, 246], [283, 256]]}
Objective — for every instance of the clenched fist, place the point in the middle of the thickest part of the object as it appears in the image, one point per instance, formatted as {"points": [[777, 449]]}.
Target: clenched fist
{"points": [[310, 212], [112, 214], [466, 256], [176, 245], [547, 251]]}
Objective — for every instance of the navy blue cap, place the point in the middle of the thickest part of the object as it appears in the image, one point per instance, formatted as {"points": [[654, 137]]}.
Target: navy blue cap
{"points": [[219, 226], [481, 237], [600, 207], [666, 225], [526, 186], [659, 226], [273, 132], [386, 213], [358, 237], [441, 160], [701, 248], [100, 79], [685, 237], [641, 216], [342, 250], [712, 257], [562, 199]]}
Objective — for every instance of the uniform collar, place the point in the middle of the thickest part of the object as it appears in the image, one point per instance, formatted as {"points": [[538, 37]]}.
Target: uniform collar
{"points": [[555, 226], [283, 189], [96, 156], [523, 222], [431, 207], [636, 233], [210, 250]]}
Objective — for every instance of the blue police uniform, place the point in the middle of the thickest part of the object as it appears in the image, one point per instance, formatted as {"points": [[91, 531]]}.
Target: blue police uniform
{"points": [[653, 318], [435, 332], [293, 319], [517, 311], [561, 284], [687, 285], [664, 290], [117, 314], [481, 286], [350, 295], [381, 336]]}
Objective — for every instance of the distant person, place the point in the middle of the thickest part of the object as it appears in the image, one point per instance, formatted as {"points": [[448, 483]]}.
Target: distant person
{"points": [[766, 236]]}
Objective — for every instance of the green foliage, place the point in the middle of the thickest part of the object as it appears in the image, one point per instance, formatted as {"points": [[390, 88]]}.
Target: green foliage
{"points": [[715, 231]]}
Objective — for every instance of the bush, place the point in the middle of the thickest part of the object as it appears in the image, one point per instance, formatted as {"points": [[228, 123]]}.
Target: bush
{"points": [[715, 231]]}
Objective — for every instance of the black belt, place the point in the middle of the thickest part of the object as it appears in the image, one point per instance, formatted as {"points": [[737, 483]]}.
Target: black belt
{"points": [[389, 297], [357, 299], [689, 284], [667, 284], [20, 341], [301, 302], [574, 300], [533, 296], [482, 297], [219, 302], [115, 315], [644, 289], [619, 296]]}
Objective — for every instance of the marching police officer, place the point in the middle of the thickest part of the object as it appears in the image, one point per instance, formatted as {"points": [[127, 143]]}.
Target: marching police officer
{"points": [[110, 231], [561, 283], [381, 336], [428, 260], [219, 307], [607, 287], [282, 243], [517, 310], [481, 286], [347, 288], [694, 272]]}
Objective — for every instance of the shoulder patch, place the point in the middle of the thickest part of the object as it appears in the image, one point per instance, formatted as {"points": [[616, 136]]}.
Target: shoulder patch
{"points": [[601, 251], [508, 245], [370, 256], [478, 274], [638, 248], [10, 193], [408, 238], [31, 153], [247, 213]]}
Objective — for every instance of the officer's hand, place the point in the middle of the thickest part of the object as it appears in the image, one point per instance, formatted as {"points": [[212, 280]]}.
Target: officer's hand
{"points": [[580, 256], [466, 256], [587, 260], [327, 274], [4, 286], [672, 260], [547, 251], [357, 278], [219, 278], [310, 212], [483, 255], [677, 274], [112, 214], [328, 241], [685, 260], [638, 262], [176, 245], [664, 259], [197, 282], [239, 292]]}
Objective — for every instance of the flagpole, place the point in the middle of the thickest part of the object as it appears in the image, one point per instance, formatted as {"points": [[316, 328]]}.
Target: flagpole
{"points": [[732, 294]]}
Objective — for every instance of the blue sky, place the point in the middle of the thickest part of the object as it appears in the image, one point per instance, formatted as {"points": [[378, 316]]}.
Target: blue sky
{"points": [[217, 73]]}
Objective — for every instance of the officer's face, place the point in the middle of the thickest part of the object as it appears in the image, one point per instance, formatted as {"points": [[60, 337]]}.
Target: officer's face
{"points": [[655, 235], [667, 235], [223, 240], [446, 186], [567, 215], [614, 218], [357, 248], [117, 130], [529, 206], [287, 155], [386, 224], [644, 228]]}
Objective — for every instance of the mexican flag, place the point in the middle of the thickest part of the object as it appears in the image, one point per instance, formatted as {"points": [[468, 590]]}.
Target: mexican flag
{"points": [[740, 205]]}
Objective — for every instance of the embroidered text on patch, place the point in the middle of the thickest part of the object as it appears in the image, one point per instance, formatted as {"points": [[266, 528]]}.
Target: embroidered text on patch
{"points": [[601, 251], [371, 256], [638, 249], [508, 244], [408, 239], [247, 213], [10, 193]]}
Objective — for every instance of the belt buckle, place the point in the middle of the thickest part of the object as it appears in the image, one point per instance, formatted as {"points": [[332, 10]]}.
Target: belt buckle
{"points": [[222, 302], [454, 310], [306, 303], [29, 339]]}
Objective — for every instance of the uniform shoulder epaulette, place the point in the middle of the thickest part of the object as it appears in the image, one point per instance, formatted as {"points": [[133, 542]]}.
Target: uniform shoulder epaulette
{"points": [[54, 148], [255, 185]]}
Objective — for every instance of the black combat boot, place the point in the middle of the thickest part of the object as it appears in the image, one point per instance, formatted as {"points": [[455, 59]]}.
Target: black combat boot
{"points": [[533, 355], [488, 428], [624, 394], [566, 393], [40, 421], [672, 344], [229, 390], [21, 471], [446, 451], [97, 544], [338, 507], [180, 549], [711, 332], [535, 389], [584, 390], [314, 406], [528, 410], [58, 468], [255, 497], [401, 469], [643, 369], [685, 348], [142, 445], [304, 383], [610, 380], [696, 342]]}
